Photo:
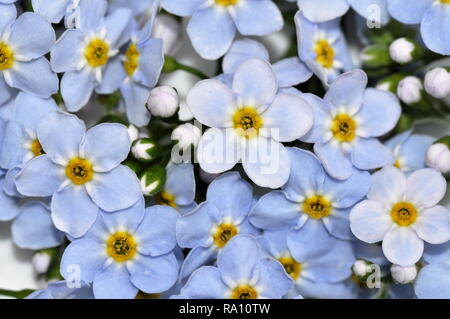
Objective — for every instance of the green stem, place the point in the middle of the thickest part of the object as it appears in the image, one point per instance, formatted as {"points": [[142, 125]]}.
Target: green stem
{"points": [[19, 294], [171, 65]]}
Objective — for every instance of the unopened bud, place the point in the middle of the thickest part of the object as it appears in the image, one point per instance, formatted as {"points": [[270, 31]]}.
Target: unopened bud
{"points": [[361, 268], [41, 262], [153, 180], [163, 101], [410, 90], [403, 275], [390, 83], [437, 83], [145, 149], [438, 156], [404, 51], [186, 135]]}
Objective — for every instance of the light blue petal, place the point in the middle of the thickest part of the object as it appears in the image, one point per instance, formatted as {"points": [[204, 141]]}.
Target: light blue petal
{"points": [[194, 229], [324, 290], [113, 76], [317, 134], [231, 195], [336, 163], [249, 15], [31, 36], [196, 258], [180, 183], [205, 283], [433, 225], [241, 51], [150, 67], [338, 224], [8, 15], [372, 253], [77, 219], [435, 254], [76, 88], [39, 178], [311, 239], [154, 274], [369, 153], [338, 94], [136, 96], [6, 92], [106, 146], [34, 229], [54, 11], [115, 190], [113, 282], [156, 232], [66, 54], [324, 10], [13, 149], [403, 11], [181, 7], [413, 151], [435, 28], [115, 24], [433, 282], [9, 206], [291, 71], [211, 32], [92, 14], [274, 243], [9, 186], [30, 110], [273, 280], [129, 218]]}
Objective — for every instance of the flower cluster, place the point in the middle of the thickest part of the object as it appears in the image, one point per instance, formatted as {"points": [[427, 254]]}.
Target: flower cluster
{"points": [[146, 157]]}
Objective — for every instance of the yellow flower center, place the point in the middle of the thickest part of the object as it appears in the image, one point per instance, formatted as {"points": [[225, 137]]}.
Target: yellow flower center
{"points": [[247, 122], [226, 3], [244, 292], [224, 233], [165, 198], [317, 206], [121, 246], [132, 59], [6, 57], [144, 295], [292, 267], [36, 148], [79, 171], [397, 163], [97, 53], [404, 214], [324, 53], [343, 128], [445, 1]]}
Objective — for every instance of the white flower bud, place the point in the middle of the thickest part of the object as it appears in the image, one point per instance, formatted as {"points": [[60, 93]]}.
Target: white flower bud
{"points": [[410, 90], [361, 268], [438, 157], [186, 135], [41, 262], [437, 83], [163, 101], [133, 132], [403, 275], [401, 50], [144, 149]]}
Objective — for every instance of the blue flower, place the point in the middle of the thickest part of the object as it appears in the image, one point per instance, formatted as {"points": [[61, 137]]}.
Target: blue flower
{"points": [[54, 11], [306, 264], [213, 24], [63, 290], [137, 6], [322, 47], [179, 189], [326, 10], [80, 170], [433, 281], [248, 122], [9, 205], [347, 123], [242, 272], [209, 227], [433, 16], [311, 204], [135, 73], [126, 251], [403, 213], [85, 52], [289, 72], [409, 150], [23, 43]]}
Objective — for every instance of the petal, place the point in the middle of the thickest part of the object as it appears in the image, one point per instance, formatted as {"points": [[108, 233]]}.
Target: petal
{"points": [[388, 186], [115, 24], [196, 258], [239, 260], [30, 110], [13, 150], [67, 52], [128, 219], [136, 96], [425, 187], [273, 281], [86, 257], [73, 212], [369, 153], [288, 118], [334, 161], [33, 228], [194, 228], [156, 232], [324, 10], [218, 150], [241, 51], [113, 282], [180, 183], [402, 246], [154, 274], [76, 88], [255, 83], [338, 94], [113, 76], [433, 282], [6, 92], [115, 190], [249, 14], [379, 114], [92, 13], [60, 135], [433, 225], [434, 28], [181, 7], [403, 12], [9, 206], [275, 211], [413, 152], [211, 102], [312, 234], [54, 11], [370, 221], [8, 14], [291, 72], [211, 32], [39, 178], [205, 283], [149, 68], [35, 77], [231, 195], [338, 224], [106, 146], [266, 162]]}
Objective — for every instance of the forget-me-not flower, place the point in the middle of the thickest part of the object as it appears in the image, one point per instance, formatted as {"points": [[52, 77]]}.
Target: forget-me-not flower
{"points": [[433, 16], [347, 123], [403, 213], [83, 53], [242, 272], [248, 123], [63, 290], [209, 227], [311, 203], [54, 11], [81, 170], [126, 251], [23, 44], [213, 24]]}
